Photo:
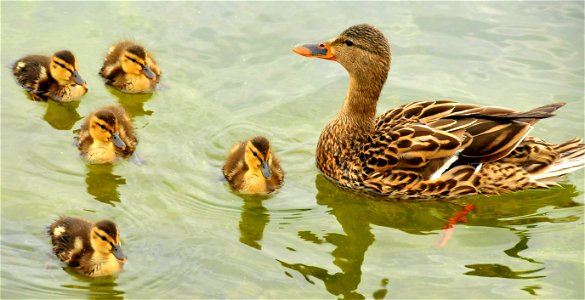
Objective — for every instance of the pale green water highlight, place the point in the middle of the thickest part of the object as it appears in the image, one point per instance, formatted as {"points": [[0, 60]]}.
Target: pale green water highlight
{"points": [[229, 73]]}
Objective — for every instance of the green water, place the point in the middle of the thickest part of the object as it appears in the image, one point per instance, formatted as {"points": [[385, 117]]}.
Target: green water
{"points": [[229, 73]]}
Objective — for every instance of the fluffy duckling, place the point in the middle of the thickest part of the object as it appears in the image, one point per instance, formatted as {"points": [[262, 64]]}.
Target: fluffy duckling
{"points": [[251, 168], [107, 135], [91, 249], [428, 148], [55, 77], [129, 68]]}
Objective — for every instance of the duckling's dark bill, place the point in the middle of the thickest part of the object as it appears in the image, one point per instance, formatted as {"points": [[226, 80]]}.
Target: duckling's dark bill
{"points": [[266, 169], [77, 78], [148, 72], [315, 50], [118, 141], [117, 251]]}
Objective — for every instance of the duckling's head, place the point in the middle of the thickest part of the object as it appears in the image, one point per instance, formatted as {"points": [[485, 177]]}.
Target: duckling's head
{"points": [[105, 239], [133, 61], [104, 127], [361, 49], [64, 68], [258, 157]]}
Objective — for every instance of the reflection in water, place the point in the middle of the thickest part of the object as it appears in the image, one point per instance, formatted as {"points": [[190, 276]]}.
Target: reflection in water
{"points": [[62, 115], [132, 103], [497, 270], [458, 217], [520, 246], [356, 213], [253, 221], [98, 288], [350, 248], [102, 184]]}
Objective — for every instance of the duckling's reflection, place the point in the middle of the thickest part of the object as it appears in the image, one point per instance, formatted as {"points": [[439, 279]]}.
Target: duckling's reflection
{"points": [[133, 103], [98, 288], [62, 115], [356, 213], [253, 220], [103, 184]]}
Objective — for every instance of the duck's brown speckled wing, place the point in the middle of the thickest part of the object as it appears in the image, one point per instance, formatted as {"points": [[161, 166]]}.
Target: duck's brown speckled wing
{"points": [[412, 143]]}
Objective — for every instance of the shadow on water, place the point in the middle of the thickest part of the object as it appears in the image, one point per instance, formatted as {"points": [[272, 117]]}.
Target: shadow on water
{"points": [[62, 115], [356, 213], [132, 103], [103, 184], [97, 288], [253, 220]]}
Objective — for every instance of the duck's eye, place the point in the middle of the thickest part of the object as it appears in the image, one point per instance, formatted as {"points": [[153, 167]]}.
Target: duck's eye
{"points": [[103, 238], [348, 43], [102, 126], [255, 155]]}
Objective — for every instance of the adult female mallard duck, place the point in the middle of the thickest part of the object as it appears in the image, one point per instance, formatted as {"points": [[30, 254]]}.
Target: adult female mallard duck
{"points": [[129, 68], [106, 135], [92, 249], [251, 168], [55, 77], [428, 148]]}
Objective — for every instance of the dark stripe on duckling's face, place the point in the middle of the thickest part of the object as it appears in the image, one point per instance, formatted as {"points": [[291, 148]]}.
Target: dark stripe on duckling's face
{"points": [[106, 121], [137, 50], [66, 56], [260, 148], [108, 227], [69, 67], [116, 249], [145, 68]]}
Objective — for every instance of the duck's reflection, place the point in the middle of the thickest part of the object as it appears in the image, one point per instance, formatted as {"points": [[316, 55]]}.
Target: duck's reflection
{"points": [[103, 184], [97, 288], [133, 103], [62, 115], [356, 213], [253, 221]]}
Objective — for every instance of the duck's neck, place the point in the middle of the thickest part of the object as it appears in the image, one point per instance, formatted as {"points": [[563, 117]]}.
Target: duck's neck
{"points": [[344, 136], [359, 108]]}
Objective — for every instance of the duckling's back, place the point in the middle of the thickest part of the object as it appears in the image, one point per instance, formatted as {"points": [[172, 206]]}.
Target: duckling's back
{"points": [[112, 57], [69, 237], [31, 71], [234, 167]]}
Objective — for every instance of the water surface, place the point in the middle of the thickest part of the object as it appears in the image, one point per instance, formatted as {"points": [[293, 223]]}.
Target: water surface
{"points": [[228, 74]]}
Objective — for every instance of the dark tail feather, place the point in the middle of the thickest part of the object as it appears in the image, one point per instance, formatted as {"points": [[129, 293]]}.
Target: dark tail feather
{"points": [[542, 112]]}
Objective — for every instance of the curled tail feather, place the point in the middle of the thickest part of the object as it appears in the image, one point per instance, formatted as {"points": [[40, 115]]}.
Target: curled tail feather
{"points": [[571, 158]]}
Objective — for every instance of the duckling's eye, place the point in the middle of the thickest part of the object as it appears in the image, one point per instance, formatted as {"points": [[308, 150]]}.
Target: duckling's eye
{"points": [[103, 238], [61, 65], [255, 155], [348, 43], [102, 126]]}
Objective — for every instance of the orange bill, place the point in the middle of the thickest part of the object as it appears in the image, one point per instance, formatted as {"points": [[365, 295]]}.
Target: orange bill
{"points": [[322, 50]]}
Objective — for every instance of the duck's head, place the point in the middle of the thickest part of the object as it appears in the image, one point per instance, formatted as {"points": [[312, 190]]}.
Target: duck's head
{"points": [[361, 49], [133, 60], [105, 239], [104, 127], [64, 68], [258, 157]]}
